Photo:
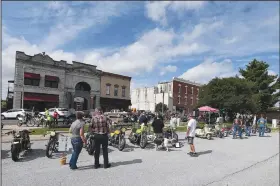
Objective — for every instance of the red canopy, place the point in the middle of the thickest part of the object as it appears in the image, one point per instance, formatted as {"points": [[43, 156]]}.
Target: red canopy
{"points": [[40, 97], [31, 75], [207, 109], [51, 78]]}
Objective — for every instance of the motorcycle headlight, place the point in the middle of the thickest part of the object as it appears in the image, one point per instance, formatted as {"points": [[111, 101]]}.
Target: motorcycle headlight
{"points": [[52, 133], [18, 135]]}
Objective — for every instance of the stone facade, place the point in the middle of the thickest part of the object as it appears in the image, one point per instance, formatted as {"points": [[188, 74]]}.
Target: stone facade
{"points": [[69, 75]]}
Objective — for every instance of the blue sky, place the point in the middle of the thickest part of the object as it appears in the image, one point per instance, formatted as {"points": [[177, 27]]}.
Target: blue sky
{"points": [[150, 41]]}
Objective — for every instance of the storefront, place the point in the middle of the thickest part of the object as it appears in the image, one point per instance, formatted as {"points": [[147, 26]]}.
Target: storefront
{"points": [[107, 104], [40, 101]]}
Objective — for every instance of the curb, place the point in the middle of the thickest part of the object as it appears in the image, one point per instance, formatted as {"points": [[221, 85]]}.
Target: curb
{"points": [[9, 141]]}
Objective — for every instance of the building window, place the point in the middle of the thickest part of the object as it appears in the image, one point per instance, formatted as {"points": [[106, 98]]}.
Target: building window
{"points": [[192, 90], [169, 87], [186, 100], [51, 84], [108, 87], [179, 88], [116, 90], [32, 82], [197, 91], [186, 89], [179, 100], [192, 101], [123, 91]]}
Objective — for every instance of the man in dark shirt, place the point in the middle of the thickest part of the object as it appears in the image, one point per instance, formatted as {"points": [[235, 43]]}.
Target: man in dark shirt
{"points": [[100, 127], [158, 125], [143, 119]]}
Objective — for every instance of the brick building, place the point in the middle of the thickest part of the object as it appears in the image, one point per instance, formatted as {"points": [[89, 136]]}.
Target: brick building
{"points": [[184, 93]]}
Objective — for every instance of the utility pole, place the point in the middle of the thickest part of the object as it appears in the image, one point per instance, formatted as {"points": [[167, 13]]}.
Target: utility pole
{"points": [[22, 94]]}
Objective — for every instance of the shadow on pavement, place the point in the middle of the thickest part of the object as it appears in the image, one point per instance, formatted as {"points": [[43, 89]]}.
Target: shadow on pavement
{"points": [[114, 164], [203, 152], [5, 154], [33, 154], [129, 148], [265, 136]]}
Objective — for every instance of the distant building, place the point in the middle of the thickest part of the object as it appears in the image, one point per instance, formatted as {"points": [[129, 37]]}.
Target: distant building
{"points": [[115, 92], [179, 95]]}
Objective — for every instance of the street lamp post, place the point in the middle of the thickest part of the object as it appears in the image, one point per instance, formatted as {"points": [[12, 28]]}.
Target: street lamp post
{"points": [[22, 94]]}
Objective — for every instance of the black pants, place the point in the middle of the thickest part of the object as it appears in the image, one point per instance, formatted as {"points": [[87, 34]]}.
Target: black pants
{"points": [[55, 121], [101, 139]]}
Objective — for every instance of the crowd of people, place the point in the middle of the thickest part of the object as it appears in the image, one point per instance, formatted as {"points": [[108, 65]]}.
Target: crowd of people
{"points": [[100, 126]]}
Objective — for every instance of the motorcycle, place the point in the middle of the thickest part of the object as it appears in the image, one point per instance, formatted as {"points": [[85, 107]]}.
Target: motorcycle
{"points": [[205, 132], [171, 134], [217, 131], [25, 119], [20, 143], [90, 146], [117, 138], [139, 136], [52, 145], [266, 130]]}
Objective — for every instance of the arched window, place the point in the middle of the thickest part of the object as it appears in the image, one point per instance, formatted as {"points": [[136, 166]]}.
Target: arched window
{"points": [[83, 86]]}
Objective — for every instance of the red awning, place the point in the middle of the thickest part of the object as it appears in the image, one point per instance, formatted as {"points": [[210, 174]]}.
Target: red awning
{"points": [[31, 75], [51, 78], [41, 97]]}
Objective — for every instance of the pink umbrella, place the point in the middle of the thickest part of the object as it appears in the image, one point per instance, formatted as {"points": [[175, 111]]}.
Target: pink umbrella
{"points": [[207, 109]]}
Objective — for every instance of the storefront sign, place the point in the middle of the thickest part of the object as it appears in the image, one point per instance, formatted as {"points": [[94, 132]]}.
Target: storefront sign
{"points": [[79, 99]]}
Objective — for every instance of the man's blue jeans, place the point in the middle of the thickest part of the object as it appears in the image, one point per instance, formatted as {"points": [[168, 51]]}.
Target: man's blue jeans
{"points": [[235, 129], [77, 145], [261, 130], [248, 130]]}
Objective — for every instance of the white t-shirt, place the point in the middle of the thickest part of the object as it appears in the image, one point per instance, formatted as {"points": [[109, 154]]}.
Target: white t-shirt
{"points": [[192, 127]]}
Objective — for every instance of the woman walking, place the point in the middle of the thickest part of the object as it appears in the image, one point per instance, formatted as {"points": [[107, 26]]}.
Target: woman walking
{"points": [[77, 139]]}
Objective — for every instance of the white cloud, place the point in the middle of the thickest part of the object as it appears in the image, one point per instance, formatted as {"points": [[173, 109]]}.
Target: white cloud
{"points": [[208, 70], [168, 68], [157, 10]]}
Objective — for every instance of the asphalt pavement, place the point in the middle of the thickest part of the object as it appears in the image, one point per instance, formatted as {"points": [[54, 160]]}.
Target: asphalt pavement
{"points": [[253, 161]]}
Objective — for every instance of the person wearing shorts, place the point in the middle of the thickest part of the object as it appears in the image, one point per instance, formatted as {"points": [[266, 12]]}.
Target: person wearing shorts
{"points": [[191, 134]]}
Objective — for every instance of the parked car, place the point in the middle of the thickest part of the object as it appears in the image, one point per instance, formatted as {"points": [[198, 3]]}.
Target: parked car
{"points": [[14, 113], [62, 112]]}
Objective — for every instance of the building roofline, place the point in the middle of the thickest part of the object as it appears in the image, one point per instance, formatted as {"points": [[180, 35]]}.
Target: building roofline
{"points": [[186, 81], [116, 75]]}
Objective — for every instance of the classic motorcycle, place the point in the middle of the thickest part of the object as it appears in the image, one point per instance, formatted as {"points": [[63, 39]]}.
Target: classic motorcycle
{"points": [[2, 125], [52, 145], [139, 136], [90, 146], [266, 130], [117, 138], [20, 143], [171, 134], [25, 119]]}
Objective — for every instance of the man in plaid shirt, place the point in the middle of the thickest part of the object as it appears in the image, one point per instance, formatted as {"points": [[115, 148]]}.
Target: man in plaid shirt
{"points": [[100, 127]]}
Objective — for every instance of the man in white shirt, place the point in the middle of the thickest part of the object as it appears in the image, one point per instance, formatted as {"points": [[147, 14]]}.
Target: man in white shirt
{"points": [[191, 133]]}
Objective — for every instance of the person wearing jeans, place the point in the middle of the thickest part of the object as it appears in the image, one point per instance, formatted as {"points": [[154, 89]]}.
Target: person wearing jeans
{"points": [[261, 123], [77, 139], [237, 127], [248, 127]]}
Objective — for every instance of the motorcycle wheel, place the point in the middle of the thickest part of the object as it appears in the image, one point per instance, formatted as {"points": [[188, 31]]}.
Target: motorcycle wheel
{"points": [[225, 134], [91, 147], [230, 132], [50, 148], [175, 137], [19, 123], [267, 130], [221, 135], [143, 141], [130, 137], [121, 143], [15, 153], [209, 136]]}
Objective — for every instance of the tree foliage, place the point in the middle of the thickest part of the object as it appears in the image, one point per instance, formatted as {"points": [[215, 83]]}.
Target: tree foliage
{"points": [[159, 107], [264, 85], [234, 94]]}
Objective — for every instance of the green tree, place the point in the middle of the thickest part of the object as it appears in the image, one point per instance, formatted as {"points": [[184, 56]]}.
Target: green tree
{"points": [[264, 85], [159, 107], [232, 94], [3, 104]]}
